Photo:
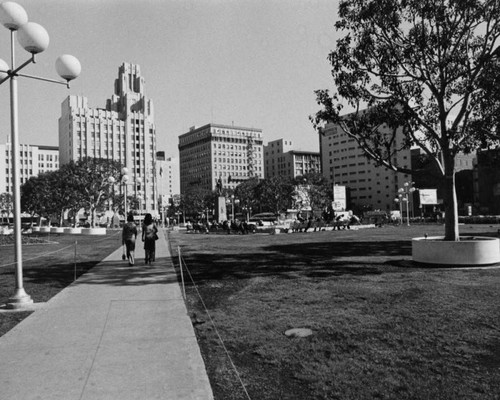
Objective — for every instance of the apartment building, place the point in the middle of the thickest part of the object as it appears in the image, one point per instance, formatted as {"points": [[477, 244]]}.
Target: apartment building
{"points": [[123, 131], [33, 160], [230, 153], [281, 159], [368, 186]]}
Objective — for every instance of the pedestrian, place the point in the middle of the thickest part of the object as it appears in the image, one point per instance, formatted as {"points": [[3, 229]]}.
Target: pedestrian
{"points": [[149, 237], [129, 235]]}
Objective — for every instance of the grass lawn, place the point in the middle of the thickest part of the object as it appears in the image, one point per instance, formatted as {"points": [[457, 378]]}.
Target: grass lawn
{"points": [[49, 266], [383, 328]]}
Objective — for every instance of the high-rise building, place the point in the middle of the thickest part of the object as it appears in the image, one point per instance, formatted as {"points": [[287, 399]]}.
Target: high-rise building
{"points": [[33, 161], [230, 153], [281, 159], [368, 186], [168, 177], [124, 131]]}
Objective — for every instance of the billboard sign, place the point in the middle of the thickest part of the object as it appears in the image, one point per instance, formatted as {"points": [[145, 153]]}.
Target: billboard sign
{"points": [[428, 196]]}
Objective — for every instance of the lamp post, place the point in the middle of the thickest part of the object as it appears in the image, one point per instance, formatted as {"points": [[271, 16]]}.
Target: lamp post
{"points": [[232, 207], [111, 181], [399, 200], [34, 39], [124, 181], [404, 196], [139, 194]]}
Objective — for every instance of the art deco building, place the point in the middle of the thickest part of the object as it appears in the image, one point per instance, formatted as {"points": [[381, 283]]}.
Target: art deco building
{"points": [[230, 153], [124, 131], [281, 159], [33, 160], [368, 186]]}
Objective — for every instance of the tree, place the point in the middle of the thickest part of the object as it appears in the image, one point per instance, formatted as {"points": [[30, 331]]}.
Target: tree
{"points": [[92, 175], [66, 195], [275, 194], [37, 196], [196, 200], [6, 205], [318, 190], [246, 192], [420, 68]]}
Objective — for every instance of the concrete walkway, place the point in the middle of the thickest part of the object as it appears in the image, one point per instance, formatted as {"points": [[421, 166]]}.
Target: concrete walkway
{"points": [[118, 332]]}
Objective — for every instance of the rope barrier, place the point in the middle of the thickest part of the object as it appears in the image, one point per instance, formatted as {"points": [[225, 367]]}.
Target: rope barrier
{"points": [[39, 256], [53, 252], [182, 261]]}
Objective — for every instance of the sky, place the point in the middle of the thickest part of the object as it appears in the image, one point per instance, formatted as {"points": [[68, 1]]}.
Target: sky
{"points": [[251, 63]]}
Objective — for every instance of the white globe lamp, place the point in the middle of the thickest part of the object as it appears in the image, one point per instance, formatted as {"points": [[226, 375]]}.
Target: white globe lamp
{"points": [[33, 38], [12, 15], [68, 67]]}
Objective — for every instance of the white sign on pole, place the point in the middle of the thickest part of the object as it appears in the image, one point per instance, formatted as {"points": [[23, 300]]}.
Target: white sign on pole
{"points": [[428, 196], [339, 198]]}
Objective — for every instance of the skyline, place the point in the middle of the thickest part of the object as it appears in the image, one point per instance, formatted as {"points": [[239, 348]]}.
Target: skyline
{"points": [[253, 64]]}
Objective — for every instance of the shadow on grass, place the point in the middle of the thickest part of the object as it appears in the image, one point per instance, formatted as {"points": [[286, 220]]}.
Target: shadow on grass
{"points": [[289, 261]]}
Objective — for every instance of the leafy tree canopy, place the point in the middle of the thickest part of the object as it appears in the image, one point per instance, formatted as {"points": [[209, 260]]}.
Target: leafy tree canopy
{"points": [[421, 68]]}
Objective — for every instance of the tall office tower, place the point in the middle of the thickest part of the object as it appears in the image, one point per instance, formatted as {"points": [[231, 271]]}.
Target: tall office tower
{"points": [[124, 131], [230, 153], [280, 159], [168, 178], [368, 186], [33, 161]]}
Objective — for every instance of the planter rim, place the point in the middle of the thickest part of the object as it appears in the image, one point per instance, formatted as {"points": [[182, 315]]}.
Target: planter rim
{"points": [[472, 250], [462, 239]]}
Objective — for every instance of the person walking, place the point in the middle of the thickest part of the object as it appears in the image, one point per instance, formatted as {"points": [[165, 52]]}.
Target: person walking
{"points": [[129, 235], [149, 237]]}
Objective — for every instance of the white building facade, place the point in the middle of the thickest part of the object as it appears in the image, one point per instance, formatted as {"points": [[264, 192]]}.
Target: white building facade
{"points": [[280, 159], [230, 153], [168, 177], [368, 186], [124, 131], [33, 160]]}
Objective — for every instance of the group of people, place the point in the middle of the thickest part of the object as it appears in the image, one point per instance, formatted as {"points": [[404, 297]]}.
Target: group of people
{"points": [[236, 226], [149, 237], [338, 221]]}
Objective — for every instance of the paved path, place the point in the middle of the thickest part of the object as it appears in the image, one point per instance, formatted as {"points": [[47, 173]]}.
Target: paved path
{"points": [[118, 332]]}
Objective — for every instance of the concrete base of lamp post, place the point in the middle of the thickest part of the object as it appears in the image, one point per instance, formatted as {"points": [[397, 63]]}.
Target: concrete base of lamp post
{"points": [[19, 301], [469, 251]]}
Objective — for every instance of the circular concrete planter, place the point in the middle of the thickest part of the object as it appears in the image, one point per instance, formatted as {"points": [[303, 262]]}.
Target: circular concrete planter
{"points": [[73, 231], [93, 231], [45, 229], [56, 229], [470, 250]]}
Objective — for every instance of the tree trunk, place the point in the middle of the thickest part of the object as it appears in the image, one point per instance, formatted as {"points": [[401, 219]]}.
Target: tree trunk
{"points": [[450, 200]]}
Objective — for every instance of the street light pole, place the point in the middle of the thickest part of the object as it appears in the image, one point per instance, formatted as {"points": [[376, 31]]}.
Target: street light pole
{"points": [[34, 39], [404, 196], [232, 207], [124, 181]]}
